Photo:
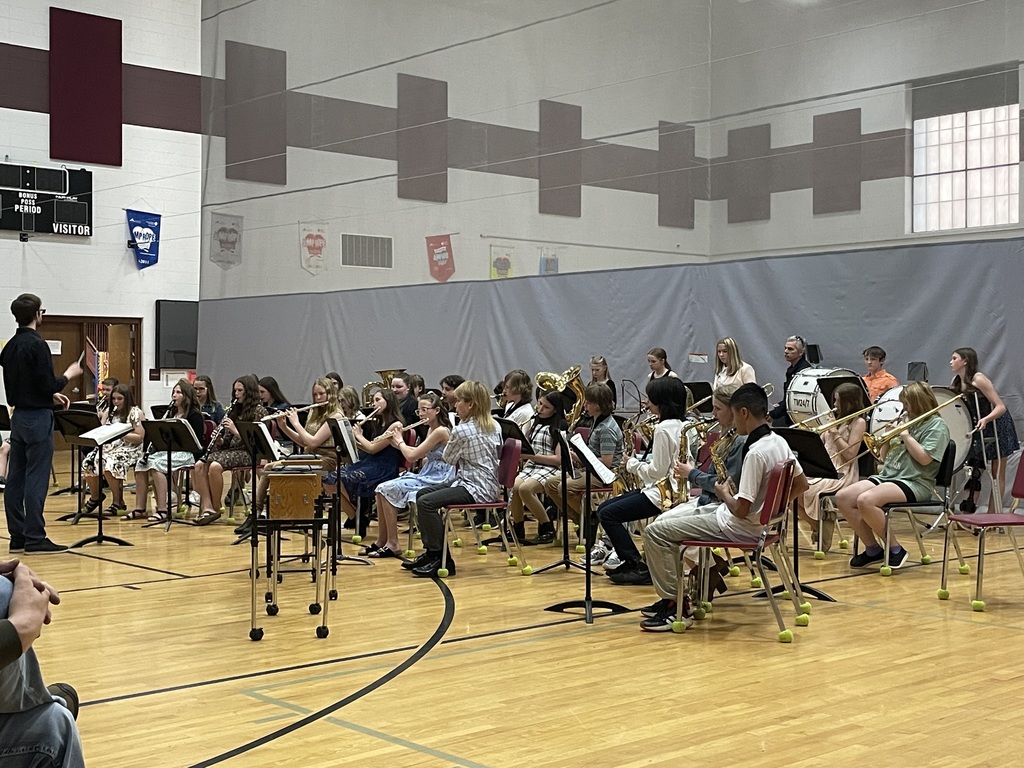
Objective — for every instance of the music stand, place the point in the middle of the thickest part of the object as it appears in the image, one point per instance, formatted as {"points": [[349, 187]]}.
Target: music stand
{"points": [[701, 390], [344, 445], [75, 454], [589, 528], [810, 451], [168, 436], [509, 429], [827, 386], [98, 437], [71, 424]]}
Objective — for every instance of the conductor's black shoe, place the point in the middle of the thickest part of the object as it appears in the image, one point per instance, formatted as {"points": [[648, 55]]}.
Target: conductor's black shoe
{"points": [[44, 547], [430, 569], [67, 694], [17, 545]]}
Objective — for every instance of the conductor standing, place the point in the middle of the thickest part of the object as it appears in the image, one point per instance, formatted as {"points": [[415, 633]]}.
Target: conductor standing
{"points": [[33, 389]]}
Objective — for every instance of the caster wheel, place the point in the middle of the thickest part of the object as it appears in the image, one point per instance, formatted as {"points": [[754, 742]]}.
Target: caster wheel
{"points": [[885, 570], [256, 634], [803, 620], [734, 570], [527, 570], [457, 543], [977, 605], [513, 560], [819, 555], [442, 573], [332, 595], [942, 594], [356, 539], [844, 544], [481, 550], [485, 527], [926, 559], [272, 609], [964, 569], [786, 636], [679, 627], [784, 594], [268, 597], [698, 615], [580, 549], [755, 582], [805, 609], [322, 632], [314, 608]]}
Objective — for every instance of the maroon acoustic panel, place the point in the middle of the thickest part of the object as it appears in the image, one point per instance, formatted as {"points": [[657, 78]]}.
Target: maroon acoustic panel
{"points": [[85, 87]]}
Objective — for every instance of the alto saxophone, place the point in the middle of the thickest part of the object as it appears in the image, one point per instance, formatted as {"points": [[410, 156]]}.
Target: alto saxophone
{"points": [[668, 496], [719, 452], [625, 480]]}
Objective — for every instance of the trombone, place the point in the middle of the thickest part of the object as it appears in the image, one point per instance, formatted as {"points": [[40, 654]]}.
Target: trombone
{"points": [[821, 428], [876, 441]]}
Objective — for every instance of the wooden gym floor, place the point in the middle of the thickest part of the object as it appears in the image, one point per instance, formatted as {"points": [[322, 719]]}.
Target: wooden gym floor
{"points": [[474, 672]]}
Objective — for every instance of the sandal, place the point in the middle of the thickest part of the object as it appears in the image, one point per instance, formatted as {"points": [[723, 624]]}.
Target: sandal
{"points": [[159, 517], [91, 506], [115, 509], [370, 549], [135, 514], [208, 516], [382, 552]]}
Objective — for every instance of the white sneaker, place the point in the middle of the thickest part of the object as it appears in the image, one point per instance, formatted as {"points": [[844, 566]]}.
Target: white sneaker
{"points": [[597, 555], [612, 561]]}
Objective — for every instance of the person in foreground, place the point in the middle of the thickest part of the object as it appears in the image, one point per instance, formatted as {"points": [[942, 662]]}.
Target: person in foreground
{"points": [[738, 514], [37, 722], [910, 466]]}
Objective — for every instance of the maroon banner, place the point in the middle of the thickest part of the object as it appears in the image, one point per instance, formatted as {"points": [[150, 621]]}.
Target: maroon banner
{"points": [[440, 257]]}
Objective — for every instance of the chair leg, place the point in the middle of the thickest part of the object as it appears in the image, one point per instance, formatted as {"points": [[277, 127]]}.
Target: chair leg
{"points": [[1016, 549], [519, 558], [449, 534], [413, 521], [914, 526], [943, 592], [977, 603], [785, 635], [788, 578]]}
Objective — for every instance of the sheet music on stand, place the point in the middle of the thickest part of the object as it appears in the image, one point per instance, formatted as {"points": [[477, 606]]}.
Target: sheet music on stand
{"points": [[107, 433], [509, 429], [588, 457], [341, 431]]}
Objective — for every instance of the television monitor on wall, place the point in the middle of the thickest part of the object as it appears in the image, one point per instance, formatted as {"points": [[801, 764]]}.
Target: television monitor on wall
{"points": [[177, 333]]}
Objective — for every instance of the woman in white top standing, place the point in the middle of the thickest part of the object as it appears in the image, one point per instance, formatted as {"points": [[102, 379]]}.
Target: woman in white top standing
{"points": [[729, 366], [657, 361]]}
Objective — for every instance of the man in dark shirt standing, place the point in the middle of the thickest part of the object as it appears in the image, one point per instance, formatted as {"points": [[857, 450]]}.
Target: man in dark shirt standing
{"points": [[33, 389], [795, 351]]}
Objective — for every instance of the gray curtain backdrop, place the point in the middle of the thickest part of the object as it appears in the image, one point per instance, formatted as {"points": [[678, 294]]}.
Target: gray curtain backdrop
{"points": [[919, 303]]}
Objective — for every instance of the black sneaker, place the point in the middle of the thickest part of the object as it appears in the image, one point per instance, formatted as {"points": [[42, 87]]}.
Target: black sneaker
{"points": [[17, 545], [425, 557], [430, 568], [631, 574], [898, 558], [654, 609], [44, 547], [67, 694], [863, 560], [663, 622]]}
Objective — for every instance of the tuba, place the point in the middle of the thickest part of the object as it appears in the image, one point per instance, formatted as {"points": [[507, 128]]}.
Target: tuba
{"points": [[386, 376], [569, 379]]}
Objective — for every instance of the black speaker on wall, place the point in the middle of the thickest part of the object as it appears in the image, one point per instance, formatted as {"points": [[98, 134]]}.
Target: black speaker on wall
{"points": [[813, 353]]}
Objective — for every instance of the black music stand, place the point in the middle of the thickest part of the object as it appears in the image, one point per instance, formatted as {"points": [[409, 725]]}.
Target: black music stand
{"points": [[700, 390], [827, 386], [76, 455], [810, 451], [589, 529], [71, 424], [168, 436], [111, 432], [344, 445]]}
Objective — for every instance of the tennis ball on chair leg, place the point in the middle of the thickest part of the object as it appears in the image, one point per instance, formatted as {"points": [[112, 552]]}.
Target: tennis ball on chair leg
{"points": [[977, 605], [942, 594], [356, 539], [964, 569]]}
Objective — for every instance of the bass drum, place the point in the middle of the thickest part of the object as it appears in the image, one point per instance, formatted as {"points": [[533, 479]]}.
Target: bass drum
{"points": [[888, 408], [804, 398]]}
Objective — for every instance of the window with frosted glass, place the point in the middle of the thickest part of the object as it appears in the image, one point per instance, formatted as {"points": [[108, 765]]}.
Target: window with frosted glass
{"points": [[966, 169]]}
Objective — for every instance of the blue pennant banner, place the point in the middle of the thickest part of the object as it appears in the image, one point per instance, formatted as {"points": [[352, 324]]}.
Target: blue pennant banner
{"points": [[144, 232]]}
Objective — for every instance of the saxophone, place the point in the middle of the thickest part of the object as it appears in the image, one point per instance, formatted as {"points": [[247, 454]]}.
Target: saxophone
{"points": [[719, 451], [669, 497], [625, 480]]}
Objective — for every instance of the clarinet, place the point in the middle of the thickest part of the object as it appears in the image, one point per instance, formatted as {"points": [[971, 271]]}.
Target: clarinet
{"points": [[216, 434], [149, 445]]}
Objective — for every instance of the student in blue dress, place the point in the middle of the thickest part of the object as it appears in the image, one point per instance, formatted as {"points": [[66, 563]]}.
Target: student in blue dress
{"points": [[381, 460], [396, 494]]}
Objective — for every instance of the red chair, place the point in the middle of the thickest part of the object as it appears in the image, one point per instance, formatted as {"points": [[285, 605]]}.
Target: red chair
{"points": [[981, 524], [508, 469], [774, 515]]}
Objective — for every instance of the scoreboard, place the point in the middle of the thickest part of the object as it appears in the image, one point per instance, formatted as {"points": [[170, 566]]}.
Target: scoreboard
{"points": [[46, 201]]}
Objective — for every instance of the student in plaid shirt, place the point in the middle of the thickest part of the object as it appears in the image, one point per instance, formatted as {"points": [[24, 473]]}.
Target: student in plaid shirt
{"points": [[474, 448]]}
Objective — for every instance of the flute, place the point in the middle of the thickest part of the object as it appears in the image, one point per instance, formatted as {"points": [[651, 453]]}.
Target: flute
{"points": [[279, 414], [387, 435]]}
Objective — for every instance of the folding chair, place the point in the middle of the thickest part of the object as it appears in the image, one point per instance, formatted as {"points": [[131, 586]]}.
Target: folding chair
{"points": [[774, 514], [508, 468], [943, 503]]}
